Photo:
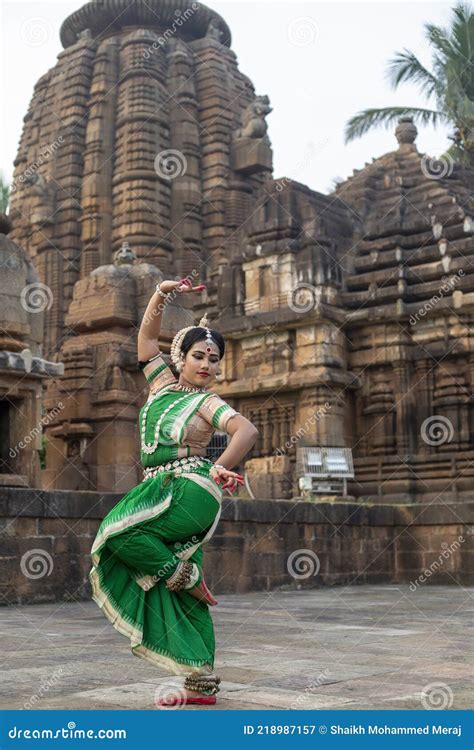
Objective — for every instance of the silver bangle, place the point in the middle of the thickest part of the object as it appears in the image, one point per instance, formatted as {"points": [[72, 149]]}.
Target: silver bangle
{"points": [[219, 466]]}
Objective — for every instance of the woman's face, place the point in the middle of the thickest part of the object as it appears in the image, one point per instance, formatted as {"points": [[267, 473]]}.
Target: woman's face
{"points": [[198, 360]]}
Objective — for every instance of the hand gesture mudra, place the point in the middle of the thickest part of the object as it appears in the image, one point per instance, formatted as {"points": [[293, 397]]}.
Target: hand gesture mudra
{"points": [[230, 479], [183, 285]]}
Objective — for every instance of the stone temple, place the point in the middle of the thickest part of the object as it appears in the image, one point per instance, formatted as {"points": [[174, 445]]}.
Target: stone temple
{"points": [[347, 317]]}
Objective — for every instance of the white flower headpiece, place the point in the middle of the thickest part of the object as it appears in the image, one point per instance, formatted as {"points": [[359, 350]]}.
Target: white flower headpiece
{"points": [[175, 351]]}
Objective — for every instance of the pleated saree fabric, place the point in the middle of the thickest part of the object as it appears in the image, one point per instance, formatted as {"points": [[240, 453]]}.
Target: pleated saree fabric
{"points": [[166, 518]]}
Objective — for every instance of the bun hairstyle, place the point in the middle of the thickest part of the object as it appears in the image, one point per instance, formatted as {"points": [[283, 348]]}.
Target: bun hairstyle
{"points": [[199, 334]]}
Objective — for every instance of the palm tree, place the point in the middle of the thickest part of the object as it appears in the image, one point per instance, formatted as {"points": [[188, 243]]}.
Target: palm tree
{"points": [[450, 84], [4, 195]]}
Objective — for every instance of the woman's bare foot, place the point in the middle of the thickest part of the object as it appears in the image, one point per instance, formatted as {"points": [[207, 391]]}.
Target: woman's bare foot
{"points": [[202, 593]]}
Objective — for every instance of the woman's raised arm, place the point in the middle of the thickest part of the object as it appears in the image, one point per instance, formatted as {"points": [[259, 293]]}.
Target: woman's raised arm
{"points": [[148, 335]]}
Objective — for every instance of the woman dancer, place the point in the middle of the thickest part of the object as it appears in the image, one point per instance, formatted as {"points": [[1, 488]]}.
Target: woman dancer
{"points": [[147, 556]]}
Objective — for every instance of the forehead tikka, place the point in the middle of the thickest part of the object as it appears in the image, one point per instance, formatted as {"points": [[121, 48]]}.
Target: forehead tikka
{"points": [[175, 351]]}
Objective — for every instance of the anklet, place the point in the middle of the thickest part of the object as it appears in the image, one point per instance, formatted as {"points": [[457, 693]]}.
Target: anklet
{"points": [[181, 576]]}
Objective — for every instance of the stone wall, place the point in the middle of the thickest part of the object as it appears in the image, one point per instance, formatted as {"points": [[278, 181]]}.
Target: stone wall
{"points": [[46, 539]]}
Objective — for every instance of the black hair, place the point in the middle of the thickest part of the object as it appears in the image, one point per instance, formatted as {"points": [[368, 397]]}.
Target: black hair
{"points": [[199, 334]]}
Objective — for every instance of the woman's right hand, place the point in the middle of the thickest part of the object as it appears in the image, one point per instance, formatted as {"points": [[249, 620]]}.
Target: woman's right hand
{"points": [[230, 479], [183, 285]]}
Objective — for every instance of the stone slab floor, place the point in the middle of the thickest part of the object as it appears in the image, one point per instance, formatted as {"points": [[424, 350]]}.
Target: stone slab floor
{"points": [[357, 647]]}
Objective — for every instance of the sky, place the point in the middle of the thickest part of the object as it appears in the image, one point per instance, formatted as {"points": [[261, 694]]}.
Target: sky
{"points": [[320, 63]]}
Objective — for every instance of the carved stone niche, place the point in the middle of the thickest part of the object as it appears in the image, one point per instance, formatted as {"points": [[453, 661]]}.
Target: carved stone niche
{"points": [[269, 282]]}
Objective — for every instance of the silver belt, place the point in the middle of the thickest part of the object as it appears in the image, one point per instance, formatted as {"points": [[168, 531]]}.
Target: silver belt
{"points": [[177, 467]]}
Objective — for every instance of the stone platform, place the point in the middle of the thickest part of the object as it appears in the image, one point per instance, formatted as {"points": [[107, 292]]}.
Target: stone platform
{"points": [[358, 647]]}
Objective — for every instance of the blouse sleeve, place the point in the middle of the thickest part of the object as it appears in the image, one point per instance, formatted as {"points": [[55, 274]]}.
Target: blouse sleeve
{"points": [[216, 412], [158, 373]]}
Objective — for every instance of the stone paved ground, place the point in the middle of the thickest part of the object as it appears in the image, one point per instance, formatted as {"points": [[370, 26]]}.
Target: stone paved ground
{"points": [[360, 647]]}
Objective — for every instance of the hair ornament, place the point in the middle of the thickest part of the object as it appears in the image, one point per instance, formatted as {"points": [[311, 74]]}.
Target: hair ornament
{"points": [[175, 352]]}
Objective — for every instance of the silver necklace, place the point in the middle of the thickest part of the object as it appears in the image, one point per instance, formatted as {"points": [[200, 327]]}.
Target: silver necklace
{"points": [[151, 447]]}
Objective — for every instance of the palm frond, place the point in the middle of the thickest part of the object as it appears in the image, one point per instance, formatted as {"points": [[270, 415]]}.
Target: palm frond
{"points": [[364, 121], [405, 66], [439, 39], [463, 32], [450, 80]]}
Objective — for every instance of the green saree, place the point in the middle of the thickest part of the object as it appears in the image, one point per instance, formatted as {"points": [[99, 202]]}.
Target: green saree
{"points": [[165, 519]]}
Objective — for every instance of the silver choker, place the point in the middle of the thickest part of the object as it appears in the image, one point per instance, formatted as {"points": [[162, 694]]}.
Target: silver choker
{"points": [[188, 388]]}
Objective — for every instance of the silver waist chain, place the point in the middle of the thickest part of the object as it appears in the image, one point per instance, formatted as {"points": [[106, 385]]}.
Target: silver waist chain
{"points": [[177, 466]]}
